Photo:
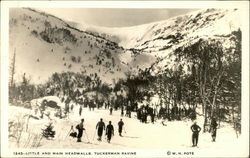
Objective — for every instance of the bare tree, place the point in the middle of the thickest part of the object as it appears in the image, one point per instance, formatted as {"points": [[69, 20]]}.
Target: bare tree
{"points": [[13, 69]]}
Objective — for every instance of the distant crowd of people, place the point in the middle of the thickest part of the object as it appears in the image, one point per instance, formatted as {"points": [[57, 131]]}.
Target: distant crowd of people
{"points": [[145, 113], [170, 114]]}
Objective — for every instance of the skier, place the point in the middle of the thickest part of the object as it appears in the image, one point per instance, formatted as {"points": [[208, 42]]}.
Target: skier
{"points": [[136, 106], [93, 105], [144, 116], [80, 128], [129, 113], [72, 107], [122, 111], [110, 110], [109, 131], [100, 127], [195, 129], [213, 129], [67, 101], [153, 116], [80, 111], [120, 125], [139, 114], [108, 104]]}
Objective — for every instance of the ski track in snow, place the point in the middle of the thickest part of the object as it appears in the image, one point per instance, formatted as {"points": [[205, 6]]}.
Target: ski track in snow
{"points": [[176, 135]]}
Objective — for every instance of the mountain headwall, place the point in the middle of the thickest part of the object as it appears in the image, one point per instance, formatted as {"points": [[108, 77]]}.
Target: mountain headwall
{"points": [[45, 44]]}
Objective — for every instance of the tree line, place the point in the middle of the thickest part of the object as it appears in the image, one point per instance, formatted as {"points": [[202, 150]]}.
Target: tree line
{"points": [[205, 75]]}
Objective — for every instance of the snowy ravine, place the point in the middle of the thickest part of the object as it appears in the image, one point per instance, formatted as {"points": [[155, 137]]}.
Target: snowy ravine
{"points": [[42, 44], [49, 44], [176, 135]]}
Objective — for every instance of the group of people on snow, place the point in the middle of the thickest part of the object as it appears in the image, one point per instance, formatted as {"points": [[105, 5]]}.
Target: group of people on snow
{"points": [[100, 127], [142, 114], [196, 130], [144, 111]]}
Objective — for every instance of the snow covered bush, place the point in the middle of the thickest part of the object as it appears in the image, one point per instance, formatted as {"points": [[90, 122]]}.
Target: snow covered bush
{"points": [[48, 132], [16, 130]]}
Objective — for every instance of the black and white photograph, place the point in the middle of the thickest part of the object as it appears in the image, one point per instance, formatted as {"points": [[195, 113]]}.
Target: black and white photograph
{"points": [[86, 80]]}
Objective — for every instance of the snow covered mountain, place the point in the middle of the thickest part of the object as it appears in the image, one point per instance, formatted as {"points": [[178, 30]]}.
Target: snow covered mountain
{"points": [[53, 45], [156, 41], [45, 44], [156, 35]]}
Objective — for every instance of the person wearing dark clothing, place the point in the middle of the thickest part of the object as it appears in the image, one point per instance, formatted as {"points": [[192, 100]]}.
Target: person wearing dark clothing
{"points": [[100, 127], [80, 111], [153, 117], [175, 112], [72, 107], [80, 128], [129, 113], [67, 101], [136, 106], [110, 110], [109, 131], [93, 105], [189, 112], [105, 105], [139, 114], [120, 125], [213, 129], [193, 115], [108, 104], [143, 115], [195, 129], [122, 111]]}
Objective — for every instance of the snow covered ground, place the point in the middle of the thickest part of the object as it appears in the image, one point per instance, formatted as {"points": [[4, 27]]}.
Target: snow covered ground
{"points": [[176, 135]]}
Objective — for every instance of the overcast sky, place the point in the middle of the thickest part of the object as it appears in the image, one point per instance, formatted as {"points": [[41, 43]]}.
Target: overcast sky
{"points": [[114, 17]]}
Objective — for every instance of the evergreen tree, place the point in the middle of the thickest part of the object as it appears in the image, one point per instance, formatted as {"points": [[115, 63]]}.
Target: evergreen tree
{"points": [[48, 131]]}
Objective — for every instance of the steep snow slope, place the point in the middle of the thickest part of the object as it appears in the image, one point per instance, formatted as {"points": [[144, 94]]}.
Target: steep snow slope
{"points": [[45, 44], [207, 22], [157, 41]]}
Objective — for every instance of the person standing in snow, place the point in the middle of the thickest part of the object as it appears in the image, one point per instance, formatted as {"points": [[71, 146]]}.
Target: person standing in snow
{"points": [[67, 101], [129, 113], [108, 104], [195, 129], [144, 115], [80, 111], [100, 127], [72, 107], [120, 125], [109, 131], [153, 116], [110, 110], [122, 111], [213, 129], [93, 105], [80, 128]]}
